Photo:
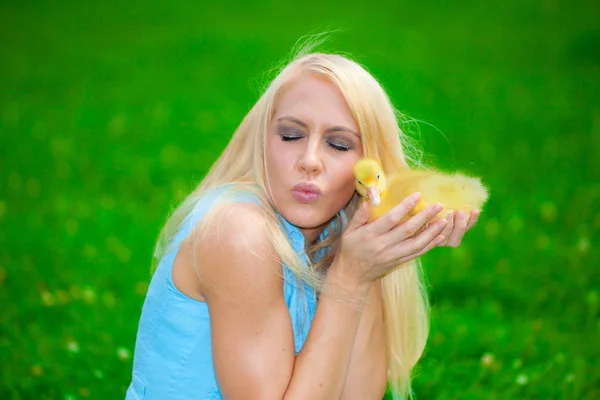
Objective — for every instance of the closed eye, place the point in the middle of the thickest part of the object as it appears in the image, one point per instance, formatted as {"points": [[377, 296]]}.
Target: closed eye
{"points": [[288, 134], [335, 146], [289, 138], [338, 147]]}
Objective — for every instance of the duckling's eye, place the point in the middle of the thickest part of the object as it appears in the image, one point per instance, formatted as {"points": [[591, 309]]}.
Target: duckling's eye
{"points": [[377, 176], [360, 183]]}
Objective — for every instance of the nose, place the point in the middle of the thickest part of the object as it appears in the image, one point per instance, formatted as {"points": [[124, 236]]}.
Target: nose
{"points": [[310, 161]]}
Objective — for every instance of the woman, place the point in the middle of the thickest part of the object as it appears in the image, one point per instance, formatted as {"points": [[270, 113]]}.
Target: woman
{"points": [[262, 290]]}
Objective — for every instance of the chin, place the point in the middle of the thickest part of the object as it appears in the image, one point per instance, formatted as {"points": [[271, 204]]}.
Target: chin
{"points": [[305, 218]]}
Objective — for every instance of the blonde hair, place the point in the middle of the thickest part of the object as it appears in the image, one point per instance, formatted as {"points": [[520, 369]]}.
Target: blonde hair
{"points": [[243, 164]]}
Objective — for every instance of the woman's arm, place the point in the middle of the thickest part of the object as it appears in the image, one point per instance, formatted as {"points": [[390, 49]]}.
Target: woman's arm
{"points": [[367, 373], [252, 338]]}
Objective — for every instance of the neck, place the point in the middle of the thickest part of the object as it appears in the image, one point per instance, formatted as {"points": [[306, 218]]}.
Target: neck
{"points": [[311, 234]]}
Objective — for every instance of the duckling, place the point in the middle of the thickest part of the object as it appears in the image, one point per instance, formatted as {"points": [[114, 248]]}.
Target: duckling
{"points": [[454, 191]]}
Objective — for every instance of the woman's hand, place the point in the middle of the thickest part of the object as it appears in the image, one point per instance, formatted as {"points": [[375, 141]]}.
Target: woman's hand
{"points": [[458, 225], [369, 251]]}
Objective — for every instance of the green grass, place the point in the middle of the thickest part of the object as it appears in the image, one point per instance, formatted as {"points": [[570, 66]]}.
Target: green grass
{"points": [[111, 113]]}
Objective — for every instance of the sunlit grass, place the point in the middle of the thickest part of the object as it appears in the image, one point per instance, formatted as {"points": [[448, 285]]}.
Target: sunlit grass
{"points": [[110, 113]]}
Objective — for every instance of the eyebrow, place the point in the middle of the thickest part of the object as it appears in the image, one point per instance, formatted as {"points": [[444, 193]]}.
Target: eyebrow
{"points": [[336, 128]]}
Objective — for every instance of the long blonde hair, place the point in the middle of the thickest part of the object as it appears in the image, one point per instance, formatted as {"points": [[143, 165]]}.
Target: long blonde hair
{"points": [[242, 163]]}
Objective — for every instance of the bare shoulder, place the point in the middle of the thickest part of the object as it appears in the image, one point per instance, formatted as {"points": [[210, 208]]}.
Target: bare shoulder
{"points": [[253, 341], [226, 253], [238, 224], [234, 250]]}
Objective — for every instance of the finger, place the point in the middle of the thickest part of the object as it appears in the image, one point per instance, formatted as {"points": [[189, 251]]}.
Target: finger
{"points": [[434, 243], [474, 217], [460, 227], [417, 243], [430, 245], [393, 217], [360, 217], [449, 227], [414, 224]]}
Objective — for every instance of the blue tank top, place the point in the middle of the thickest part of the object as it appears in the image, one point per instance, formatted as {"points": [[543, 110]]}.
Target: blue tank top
{"points": [[173, 354]]}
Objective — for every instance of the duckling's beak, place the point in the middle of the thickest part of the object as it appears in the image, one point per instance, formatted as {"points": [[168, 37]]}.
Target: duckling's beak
{"points": [[373, 193]]}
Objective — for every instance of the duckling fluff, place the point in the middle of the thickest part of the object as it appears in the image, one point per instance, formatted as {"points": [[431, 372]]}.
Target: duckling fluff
{"points": [[453, 191]]}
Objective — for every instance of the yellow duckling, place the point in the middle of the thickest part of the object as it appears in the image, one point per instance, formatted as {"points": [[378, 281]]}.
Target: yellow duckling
{"points": [[454, 191]]}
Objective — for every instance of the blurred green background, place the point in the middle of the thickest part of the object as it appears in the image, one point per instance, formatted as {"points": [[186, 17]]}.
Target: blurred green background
{"points": [[110, 112]]}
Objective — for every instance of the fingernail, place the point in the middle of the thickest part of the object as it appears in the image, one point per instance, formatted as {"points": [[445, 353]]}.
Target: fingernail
{"points": [[450, 212], [415, 197]]}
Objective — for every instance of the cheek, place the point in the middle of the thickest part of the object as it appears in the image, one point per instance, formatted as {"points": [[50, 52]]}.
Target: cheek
{"points": [[276, 159], [344, 178]]}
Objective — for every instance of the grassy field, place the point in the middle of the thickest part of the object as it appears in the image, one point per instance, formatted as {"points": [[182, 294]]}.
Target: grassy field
{"points": [[111, 112]]}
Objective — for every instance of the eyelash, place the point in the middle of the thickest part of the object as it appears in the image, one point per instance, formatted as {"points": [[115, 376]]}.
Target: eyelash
{"points": [[337, 147]]}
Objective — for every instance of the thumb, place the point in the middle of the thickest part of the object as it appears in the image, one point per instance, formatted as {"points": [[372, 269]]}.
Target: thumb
{"points": [[360, 217]]}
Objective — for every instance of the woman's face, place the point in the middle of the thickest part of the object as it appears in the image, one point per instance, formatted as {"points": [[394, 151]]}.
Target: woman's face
{"points": [[313, 143]]}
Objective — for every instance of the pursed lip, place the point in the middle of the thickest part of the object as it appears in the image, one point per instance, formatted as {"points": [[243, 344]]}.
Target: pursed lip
{"points": [[307, 187], [306, 192]]}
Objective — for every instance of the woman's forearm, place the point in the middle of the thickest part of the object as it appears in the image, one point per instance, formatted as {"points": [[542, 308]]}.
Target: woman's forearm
{"points": [[367, 372], [321, 367]]}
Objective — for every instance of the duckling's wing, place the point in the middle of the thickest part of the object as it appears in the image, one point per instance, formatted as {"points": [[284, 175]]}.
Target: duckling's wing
{"points": [[454, 191], [403, 184]]}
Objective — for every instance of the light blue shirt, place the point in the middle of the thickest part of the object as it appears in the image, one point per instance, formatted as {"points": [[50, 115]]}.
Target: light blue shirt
{"points": [[173, 354]]}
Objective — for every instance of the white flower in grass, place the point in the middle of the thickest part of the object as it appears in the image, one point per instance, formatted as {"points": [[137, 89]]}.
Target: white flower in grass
{"points": [[89, 296], [487, 360], [72, 346], [522, 380], [123, 353]]}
